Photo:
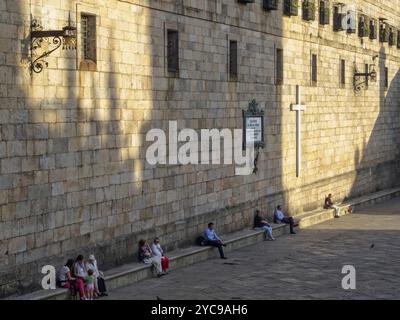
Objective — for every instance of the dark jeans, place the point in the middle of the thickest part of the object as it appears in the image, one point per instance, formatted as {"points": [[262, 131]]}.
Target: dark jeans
{"points": [[218, 245], [101, 284], [290, 222]]}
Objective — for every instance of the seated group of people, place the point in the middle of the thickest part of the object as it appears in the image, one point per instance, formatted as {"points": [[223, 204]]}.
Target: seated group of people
{"points": [[154, 255], [260, 222], [82, 277], [85, 278]]}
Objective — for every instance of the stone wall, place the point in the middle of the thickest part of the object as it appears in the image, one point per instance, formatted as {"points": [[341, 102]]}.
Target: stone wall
{"points": [[74, 178]]}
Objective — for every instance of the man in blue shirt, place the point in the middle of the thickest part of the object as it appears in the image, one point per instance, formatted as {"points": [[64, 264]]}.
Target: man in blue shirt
{"points": [[213, 239], [279, 216]]}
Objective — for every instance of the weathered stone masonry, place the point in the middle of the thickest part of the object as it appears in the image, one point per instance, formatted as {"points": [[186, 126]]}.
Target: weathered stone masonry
{"points": [[73, 173]]}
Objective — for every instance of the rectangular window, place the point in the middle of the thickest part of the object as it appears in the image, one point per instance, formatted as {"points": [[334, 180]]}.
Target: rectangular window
{"points": [[398, 39], [366, 77], [373, 29], [89, 45], [386, 77], [324, 12], [342, 73], [233, 60], [338, 17], [173, 50], [290, 8], [279, 66], [314, 69]]}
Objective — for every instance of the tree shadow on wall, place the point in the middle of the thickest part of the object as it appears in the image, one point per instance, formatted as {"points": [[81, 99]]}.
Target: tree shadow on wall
{"points": [[375, 173]]}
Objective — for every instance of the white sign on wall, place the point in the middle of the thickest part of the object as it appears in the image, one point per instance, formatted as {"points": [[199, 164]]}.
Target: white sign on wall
{"points": [[254, 130]]}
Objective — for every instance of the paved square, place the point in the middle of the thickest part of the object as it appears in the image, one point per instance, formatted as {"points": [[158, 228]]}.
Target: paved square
{"points": [[303, 266]]}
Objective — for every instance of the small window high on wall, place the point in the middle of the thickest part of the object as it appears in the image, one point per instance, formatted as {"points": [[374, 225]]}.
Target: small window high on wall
{"points": [[233, 60], [279, 66], [314, 69], [173, 51], [89, 44], [342, 72]]}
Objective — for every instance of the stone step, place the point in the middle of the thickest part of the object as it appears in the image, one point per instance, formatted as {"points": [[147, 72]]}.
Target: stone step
{"points": [[128, 274], [320, 215], [134, 272]]}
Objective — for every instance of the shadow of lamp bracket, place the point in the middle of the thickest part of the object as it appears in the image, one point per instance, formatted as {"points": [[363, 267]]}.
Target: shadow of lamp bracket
{"points": [[45, 42], [361, 78]]}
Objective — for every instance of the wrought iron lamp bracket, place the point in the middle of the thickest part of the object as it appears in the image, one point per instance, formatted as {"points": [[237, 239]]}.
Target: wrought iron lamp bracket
{"points": [[45, 42], [360, 79]]}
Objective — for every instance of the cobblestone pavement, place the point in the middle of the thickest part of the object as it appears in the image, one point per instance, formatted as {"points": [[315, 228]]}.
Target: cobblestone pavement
{"points": [[303, 266]]}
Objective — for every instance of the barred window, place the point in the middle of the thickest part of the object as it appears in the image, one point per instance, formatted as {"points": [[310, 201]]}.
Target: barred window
{"points": [[233, 59], [314, 70], [386, 77], [89, 37], [342, 73], [279, 66], [173, 50]]}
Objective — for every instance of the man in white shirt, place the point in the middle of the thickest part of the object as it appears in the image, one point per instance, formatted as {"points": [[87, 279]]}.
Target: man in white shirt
{"points": [[159, 252], [279, 216]]}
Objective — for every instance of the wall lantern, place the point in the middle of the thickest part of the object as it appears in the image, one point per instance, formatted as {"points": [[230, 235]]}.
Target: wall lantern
{"points": [[49, 41], [361, 79]]}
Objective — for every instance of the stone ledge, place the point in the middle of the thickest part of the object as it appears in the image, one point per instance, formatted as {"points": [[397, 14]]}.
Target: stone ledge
{"points": [[131, 273], [134, 272], [321, 215]]}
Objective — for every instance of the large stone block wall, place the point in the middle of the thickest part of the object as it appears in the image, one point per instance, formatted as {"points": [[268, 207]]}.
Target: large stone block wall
{"points": [[74, 178]]}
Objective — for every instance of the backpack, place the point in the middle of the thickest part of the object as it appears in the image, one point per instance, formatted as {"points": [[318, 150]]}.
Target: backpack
{"points": [[201, 241]]}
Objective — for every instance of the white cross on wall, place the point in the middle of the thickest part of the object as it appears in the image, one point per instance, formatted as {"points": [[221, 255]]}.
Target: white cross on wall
{"points": [[298, 107]]}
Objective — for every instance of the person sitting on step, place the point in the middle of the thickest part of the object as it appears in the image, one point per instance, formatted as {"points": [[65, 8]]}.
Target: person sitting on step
{"points": [[99, 283], [279, 216], [212, 239], [65, 279], [329, 205], [260, 223], [159, 252], [147, 257]]}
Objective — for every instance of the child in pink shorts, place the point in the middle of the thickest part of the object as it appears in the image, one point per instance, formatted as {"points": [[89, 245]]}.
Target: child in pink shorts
{"points": [[89, 283]]}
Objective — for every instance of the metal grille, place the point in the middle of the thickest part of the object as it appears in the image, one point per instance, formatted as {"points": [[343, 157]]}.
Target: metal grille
{"points": [[88, 23], [324, 12], [279, 66], [373, 29], [342, 72], [173, 50], [233, 59], [386, 77], [314, 71]]}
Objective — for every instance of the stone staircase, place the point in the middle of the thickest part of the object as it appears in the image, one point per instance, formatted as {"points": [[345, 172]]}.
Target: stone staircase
{"points": [[134, 272]]}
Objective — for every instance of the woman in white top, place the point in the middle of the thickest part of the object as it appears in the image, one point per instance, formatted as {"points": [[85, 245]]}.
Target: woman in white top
{"points": [[80, 273], [65, 280], [159, 252]]}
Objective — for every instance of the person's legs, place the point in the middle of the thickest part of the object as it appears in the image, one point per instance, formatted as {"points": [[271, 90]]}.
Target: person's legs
{"points": [[96, 287], [80, 285], [268, 231], [217, 245], [337, 211], [101, 284], [89, 291], [156, 262], [290, 222]]}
